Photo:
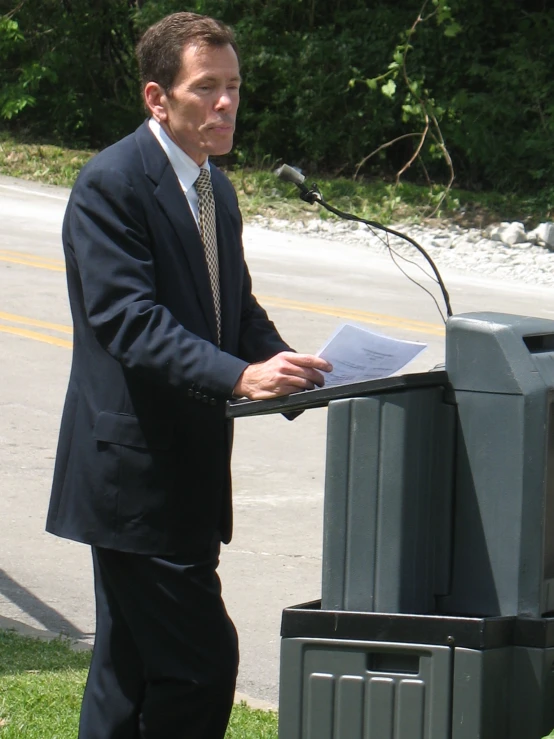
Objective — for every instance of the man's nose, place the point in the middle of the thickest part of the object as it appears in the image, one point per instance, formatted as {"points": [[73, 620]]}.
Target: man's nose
{"points": [[224, 101]]}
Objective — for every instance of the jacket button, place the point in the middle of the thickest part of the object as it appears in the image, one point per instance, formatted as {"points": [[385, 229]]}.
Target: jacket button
{"points": [[190, 392], [198, 395], [204, 398], [213, 401]]}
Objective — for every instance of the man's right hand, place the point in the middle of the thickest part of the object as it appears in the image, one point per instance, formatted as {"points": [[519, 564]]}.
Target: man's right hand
{"points": [[283, 374]]}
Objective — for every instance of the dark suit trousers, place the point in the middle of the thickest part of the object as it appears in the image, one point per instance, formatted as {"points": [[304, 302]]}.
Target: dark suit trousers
{"points": [[165, 656]]}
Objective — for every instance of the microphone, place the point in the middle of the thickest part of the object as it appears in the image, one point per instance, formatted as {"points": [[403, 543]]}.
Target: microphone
{"points": [[290, 174], [313, 195]]}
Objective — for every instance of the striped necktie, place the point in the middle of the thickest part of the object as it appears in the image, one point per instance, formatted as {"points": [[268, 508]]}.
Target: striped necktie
{"points": [[206, 221]]}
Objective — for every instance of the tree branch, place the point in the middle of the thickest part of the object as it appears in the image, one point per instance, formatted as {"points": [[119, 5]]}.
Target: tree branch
{"points": [[379, 148], [10, 14]]}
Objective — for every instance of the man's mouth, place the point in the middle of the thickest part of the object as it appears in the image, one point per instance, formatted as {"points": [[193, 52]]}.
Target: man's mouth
{"points": [[223, 126]]}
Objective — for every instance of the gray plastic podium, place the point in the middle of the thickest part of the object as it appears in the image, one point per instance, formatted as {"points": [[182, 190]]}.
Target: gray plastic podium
{"points": [[438, 550]]}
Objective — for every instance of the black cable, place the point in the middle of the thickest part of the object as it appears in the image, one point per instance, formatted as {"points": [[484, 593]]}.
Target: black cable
{"points": [[393, 254], [386, 242], [314, 195]]}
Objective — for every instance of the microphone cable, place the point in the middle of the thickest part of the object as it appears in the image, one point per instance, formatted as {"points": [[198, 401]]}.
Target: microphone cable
{"points": [[394, 254], [313, 195]]}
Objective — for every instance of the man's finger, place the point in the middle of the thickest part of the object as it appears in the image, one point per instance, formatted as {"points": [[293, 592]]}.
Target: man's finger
{"points": [[313, 376], [308, 360], [293, 383]]}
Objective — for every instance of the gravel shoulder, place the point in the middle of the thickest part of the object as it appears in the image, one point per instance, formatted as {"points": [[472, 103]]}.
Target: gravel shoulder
{"points": [[450, 246]]}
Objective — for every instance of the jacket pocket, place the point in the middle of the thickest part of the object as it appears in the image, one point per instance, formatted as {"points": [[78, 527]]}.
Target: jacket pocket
{"points": [[135, 469], [126, 430]]}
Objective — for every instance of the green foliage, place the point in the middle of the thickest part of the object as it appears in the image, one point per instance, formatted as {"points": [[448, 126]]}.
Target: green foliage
{"points": [[68, 69], [325, 81], [16, 93], [503, 130]]}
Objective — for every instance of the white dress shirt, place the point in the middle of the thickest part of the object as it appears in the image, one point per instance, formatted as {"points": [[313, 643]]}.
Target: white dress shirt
{"points": [[186, 169]]}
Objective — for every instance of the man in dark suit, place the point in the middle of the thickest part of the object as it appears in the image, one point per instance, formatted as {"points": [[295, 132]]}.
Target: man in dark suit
{"points": [[166, 330]]}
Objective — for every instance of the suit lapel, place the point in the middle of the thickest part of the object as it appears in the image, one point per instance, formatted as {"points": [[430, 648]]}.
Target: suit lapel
{"points": [[175, 205]]}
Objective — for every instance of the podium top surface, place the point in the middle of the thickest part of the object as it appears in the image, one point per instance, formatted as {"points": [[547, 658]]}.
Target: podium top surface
{"points": [[321, 397]]}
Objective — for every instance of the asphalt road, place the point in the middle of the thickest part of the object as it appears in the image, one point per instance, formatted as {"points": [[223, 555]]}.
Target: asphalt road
{"points": [[309, 286]]}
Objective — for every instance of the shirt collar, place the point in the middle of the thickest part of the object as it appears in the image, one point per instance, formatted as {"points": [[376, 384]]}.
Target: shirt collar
{"points": [[186, 169]]}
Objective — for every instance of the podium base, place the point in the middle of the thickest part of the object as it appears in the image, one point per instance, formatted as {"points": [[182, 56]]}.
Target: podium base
{"points": [[347, 675]]}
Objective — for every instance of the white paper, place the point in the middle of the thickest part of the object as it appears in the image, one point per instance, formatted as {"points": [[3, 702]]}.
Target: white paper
{"points": [[358, 354]]}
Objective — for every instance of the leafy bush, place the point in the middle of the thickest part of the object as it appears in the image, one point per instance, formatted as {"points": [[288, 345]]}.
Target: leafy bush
{"points": [[67, 72]]}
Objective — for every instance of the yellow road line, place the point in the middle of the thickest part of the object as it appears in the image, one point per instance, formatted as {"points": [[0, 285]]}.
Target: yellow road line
{"points": [[36, 336], [377, 319], [33, 263], [35, 322], [33, 257]]}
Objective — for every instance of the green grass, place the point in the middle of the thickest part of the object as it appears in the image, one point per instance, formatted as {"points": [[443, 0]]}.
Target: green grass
{"points": [[247, 723], [46, 163], [261, 193], [42, 683]]}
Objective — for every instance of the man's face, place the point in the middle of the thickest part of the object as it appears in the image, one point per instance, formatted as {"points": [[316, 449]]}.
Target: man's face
{"points": [[200, 111]]}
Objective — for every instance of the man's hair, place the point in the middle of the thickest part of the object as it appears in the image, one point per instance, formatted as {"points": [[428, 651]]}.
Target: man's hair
{"points": [[159, 52]]}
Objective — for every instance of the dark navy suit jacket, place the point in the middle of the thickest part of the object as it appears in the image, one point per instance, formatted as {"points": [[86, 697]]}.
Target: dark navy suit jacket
{"points": [[143, 462]]}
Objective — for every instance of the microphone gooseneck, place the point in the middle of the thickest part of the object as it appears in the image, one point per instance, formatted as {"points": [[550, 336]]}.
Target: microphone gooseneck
{"points": [[313, 195]]}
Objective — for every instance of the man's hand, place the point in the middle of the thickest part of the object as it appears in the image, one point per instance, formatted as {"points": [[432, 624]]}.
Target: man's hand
{"points": [[283, 374]]}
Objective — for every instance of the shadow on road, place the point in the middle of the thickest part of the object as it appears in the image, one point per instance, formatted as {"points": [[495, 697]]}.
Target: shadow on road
{"points": [[37, 609]]}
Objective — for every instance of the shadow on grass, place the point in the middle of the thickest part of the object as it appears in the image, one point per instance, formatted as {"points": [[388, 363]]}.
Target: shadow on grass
{"points": [[20, 654]]}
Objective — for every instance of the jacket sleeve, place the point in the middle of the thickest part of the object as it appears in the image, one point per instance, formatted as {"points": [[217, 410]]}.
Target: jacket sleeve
{"points": [[108, 250]]}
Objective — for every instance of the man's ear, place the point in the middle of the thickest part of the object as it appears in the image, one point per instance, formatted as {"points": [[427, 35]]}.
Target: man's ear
{"points": [[156, 101]]}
